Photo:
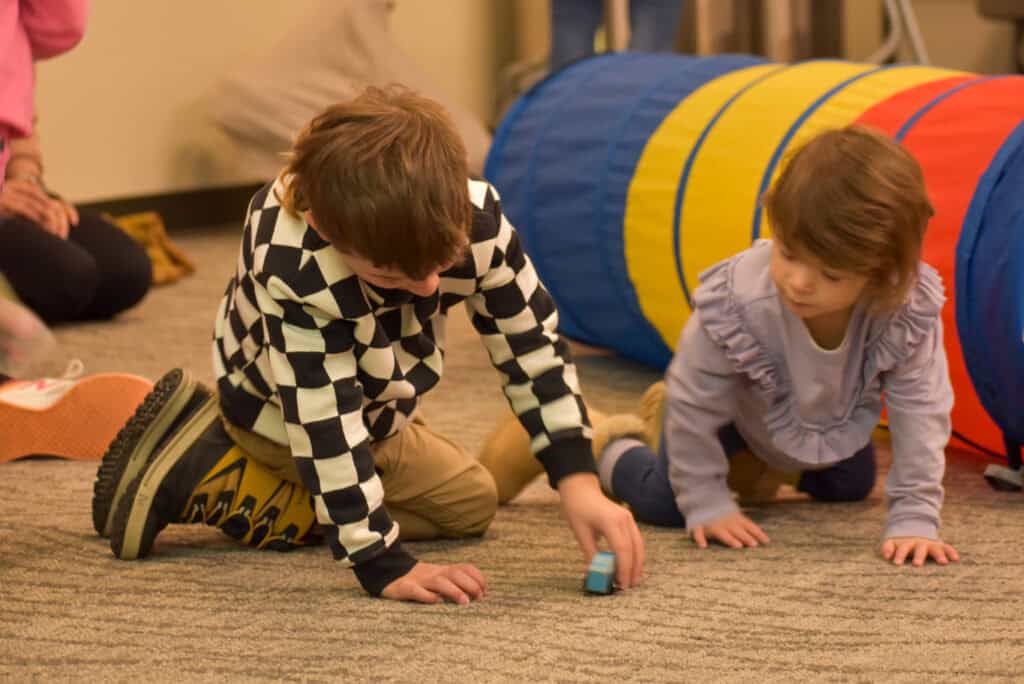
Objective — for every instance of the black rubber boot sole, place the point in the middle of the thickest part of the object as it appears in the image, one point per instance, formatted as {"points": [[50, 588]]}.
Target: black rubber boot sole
{"points": [[130, 449], [143, 511]]}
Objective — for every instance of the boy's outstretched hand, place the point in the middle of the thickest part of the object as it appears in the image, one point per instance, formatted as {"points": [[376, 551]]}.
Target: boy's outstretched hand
{"points": [[591, 515], [918, 549], [734, 530], [431, 583]]}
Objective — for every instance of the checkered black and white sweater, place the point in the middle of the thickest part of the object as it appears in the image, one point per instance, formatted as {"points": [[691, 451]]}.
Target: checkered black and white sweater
{"points": [[308, 355]]}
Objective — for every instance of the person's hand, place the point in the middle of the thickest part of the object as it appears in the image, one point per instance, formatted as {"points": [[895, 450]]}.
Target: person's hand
{"points": [[591, 515], [919, 549], [70, 214], [431, 583], [734, 530], [25, 198]]}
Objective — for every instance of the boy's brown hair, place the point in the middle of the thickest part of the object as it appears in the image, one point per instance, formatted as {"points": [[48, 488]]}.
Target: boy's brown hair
{"points": [[385, 177], [855, 200]]}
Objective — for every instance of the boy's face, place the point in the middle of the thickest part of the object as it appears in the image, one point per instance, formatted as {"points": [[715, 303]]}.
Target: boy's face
{"points": [[385, 277], [391, 278], [810, 288]]}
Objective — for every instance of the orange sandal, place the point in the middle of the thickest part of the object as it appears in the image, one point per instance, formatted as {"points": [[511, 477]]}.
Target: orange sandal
{"points": [[69, 417]]}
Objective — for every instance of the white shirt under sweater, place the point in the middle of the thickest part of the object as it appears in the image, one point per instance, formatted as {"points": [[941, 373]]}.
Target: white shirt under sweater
{"points": [[310, 356], [744, 358]]}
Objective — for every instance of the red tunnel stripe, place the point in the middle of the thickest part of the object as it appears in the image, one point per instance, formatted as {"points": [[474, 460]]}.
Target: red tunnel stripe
{"points": [[984, 114]]}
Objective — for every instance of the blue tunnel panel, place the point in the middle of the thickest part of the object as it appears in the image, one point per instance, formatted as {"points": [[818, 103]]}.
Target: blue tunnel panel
{"points": [[990, 288], [563, 159]]}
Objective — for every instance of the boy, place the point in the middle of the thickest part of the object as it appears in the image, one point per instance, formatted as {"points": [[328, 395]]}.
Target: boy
{"points": [[329, 333]]}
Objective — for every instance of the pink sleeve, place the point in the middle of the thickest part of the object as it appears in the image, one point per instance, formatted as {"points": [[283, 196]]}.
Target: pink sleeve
{"points": [[53, 26]]}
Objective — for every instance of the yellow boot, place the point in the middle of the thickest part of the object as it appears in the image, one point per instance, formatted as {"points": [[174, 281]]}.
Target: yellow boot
{"points": [[195, 473]]}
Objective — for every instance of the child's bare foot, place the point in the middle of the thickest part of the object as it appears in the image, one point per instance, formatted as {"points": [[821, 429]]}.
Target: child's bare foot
{"points": [[24, 339]]}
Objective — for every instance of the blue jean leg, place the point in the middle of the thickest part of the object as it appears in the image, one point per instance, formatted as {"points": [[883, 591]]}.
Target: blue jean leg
{"points": [[654, 24], [851, 479], [573, 25], [641, 480], [653, 27]]}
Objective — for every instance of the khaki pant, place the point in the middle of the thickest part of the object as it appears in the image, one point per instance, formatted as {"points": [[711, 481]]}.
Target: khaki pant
{"points": [[432, 487]]}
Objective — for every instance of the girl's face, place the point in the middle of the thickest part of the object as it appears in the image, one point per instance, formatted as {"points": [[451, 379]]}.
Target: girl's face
{"points": [[811, 289]]}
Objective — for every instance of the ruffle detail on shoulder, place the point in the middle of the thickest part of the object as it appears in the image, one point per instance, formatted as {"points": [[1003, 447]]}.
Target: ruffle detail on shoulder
{"points": [[723, 321], [725, 316], [903, 332]]}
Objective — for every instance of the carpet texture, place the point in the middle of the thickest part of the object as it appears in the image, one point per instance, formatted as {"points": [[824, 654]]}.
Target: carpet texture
{"points": [[817, 604]]}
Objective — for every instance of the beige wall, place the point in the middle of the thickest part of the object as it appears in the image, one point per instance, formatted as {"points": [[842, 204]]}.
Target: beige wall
{"points": [[959, 38], [955, 34], [122, 114]]}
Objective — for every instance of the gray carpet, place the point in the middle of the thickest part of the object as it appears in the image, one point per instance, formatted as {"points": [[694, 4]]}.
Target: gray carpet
{"points": [[815, 605]]}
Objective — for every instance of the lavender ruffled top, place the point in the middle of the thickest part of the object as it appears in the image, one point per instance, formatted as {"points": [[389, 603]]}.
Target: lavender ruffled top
{"points": [[744, 358]]}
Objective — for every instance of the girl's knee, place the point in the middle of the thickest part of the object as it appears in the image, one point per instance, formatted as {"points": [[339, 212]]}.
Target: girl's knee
{"points": [[849, 480], [661, 512], [841, 487]]}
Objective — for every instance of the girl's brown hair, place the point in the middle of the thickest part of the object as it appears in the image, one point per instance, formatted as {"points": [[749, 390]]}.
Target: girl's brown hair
{"points": [[857, 202], [385, 177]]}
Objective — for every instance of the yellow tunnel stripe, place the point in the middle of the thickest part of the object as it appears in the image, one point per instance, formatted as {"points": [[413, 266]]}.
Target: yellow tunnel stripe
{"points": [[648, 230], [846, 105], [722, 187]]}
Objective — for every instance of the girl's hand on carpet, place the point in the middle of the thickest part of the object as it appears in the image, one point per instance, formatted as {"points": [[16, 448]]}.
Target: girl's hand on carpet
{"points": [[591, 515], [919, 549], [431, 583], [734, 530]]}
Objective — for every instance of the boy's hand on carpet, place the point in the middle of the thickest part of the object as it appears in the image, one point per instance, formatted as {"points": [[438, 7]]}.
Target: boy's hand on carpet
{"points": [[734, 530], [918, 549], [431, 583], [591, 515]]}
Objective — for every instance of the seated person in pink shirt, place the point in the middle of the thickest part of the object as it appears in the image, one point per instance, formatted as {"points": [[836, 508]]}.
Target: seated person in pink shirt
{"points": [[61, 265]]}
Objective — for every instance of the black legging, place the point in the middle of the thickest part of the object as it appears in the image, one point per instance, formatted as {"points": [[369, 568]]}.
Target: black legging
{"points": [[97, 272]]}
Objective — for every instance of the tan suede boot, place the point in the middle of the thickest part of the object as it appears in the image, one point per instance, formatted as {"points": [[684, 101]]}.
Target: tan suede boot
{"points": [[507, 455], [618, 426], [652, 412], [754, 481]]}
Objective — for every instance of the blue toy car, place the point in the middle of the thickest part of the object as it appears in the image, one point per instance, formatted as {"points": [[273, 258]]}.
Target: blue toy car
{"points": [[600, 577]]}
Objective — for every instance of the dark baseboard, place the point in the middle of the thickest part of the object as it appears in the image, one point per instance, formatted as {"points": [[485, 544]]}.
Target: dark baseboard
{"points": [[188, 209]]}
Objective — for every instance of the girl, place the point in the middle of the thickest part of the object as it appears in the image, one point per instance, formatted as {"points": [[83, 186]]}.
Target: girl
{"points": [[789, 350]]}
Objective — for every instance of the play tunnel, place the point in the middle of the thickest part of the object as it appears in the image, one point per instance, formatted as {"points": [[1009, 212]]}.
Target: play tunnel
{"points": [[629, 174]]}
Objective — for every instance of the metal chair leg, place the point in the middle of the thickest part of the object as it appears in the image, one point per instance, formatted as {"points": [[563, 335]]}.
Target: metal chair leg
{"points": [[1008, 478], [900, 14]]}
